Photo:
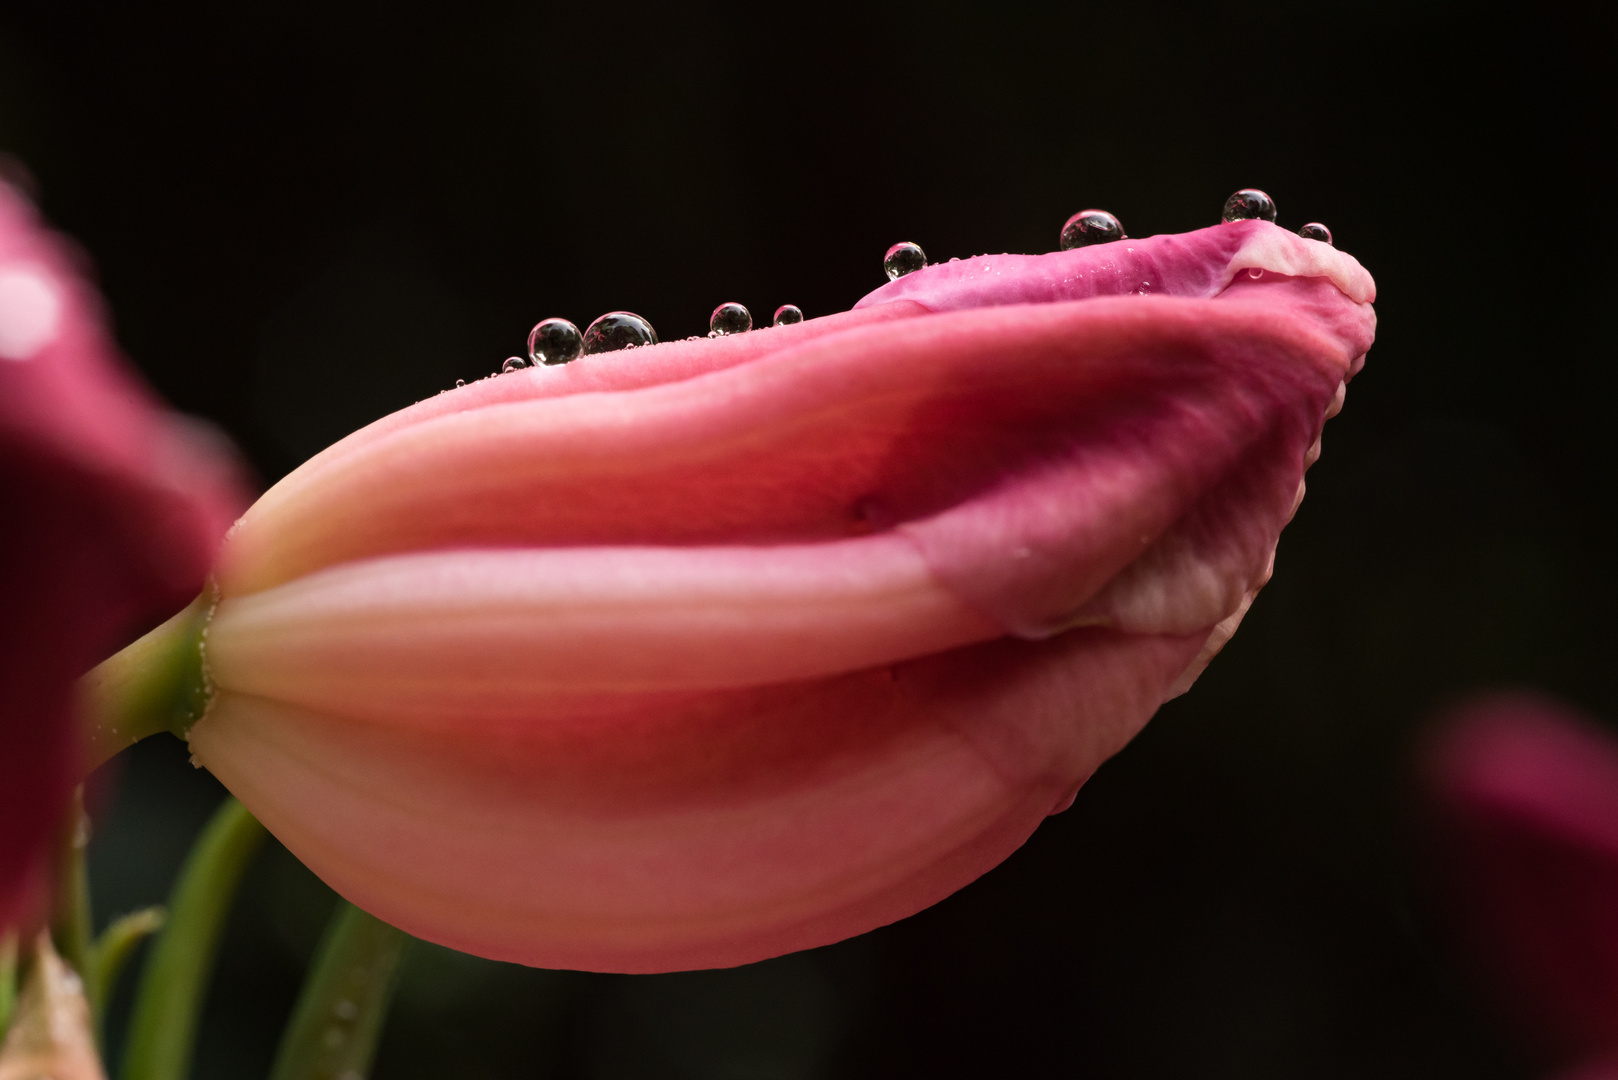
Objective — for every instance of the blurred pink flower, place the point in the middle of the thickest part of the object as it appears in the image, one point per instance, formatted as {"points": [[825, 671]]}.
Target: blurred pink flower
{"points": [[113, 510], [1526, 793], [713, 650]]}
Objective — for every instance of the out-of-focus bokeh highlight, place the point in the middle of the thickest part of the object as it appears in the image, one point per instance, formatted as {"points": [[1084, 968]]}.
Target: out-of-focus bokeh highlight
{"points": [[308, 214]]}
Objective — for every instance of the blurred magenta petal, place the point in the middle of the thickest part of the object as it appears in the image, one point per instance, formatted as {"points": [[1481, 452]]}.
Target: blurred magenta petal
{"points": [[709, 651], [1527, 792], [113, 509], [1593, 1070]]}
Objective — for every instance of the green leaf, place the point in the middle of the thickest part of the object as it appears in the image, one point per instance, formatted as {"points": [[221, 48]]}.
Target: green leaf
{"points": [[162, 1032], [117, 944], [338, 1019]]}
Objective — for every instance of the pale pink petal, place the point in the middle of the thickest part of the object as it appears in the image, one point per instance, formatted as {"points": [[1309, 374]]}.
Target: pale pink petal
{"points": [[445, 634], [648, 833]]}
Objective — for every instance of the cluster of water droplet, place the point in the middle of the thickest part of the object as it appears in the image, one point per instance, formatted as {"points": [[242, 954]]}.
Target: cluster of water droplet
{"points": [[1089, 227], [557, 341]]}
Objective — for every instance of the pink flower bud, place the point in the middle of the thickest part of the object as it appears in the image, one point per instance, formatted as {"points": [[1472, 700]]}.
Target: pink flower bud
{"points": [[712, 650], [113, 509]]}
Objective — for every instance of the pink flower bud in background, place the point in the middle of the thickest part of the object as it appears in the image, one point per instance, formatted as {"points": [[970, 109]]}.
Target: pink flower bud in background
{"points": [[713, 650], [113, 509], [1525, 793]]}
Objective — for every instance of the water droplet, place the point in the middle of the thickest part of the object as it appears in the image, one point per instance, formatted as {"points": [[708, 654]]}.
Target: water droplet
{"points": [[513, 363], [1090, 227], [729, 318], [554, 341], [460, 382], [1315, 231], [618, 330], [787, 314], [904, 258], [1249, 203], [1255, 272], [346, 1010]]}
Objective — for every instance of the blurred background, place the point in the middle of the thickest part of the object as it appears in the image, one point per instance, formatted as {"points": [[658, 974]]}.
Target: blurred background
{"points": [[307, 214]]}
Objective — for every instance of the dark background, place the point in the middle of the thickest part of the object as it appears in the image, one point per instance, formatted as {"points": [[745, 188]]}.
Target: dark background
{"points": [[307, 214]]}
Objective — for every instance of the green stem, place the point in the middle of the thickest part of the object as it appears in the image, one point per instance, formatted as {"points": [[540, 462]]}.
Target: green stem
{"points": [[70, 915], [156, 684], [8, 978], [162, 1032], [338, 1019]]}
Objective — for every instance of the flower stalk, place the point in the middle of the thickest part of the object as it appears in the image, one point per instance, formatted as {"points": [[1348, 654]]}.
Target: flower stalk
{"points": [[155, 684]]}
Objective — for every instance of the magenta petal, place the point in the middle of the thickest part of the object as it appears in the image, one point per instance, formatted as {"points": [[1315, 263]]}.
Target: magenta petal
{"points": [[1605, 1069], [1527, 796], [113, 511]]}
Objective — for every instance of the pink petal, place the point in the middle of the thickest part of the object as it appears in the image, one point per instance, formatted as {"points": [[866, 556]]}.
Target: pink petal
{"points": [[713, 650], [660, 832], [451, 634]]}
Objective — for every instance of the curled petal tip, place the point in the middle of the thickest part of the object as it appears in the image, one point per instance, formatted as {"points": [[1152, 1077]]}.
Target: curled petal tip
{"points": [[1200, 265]]}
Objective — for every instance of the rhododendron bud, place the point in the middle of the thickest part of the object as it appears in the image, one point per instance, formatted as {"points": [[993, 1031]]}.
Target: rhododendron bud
{"points": [[113, 509], [712, 650]]}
